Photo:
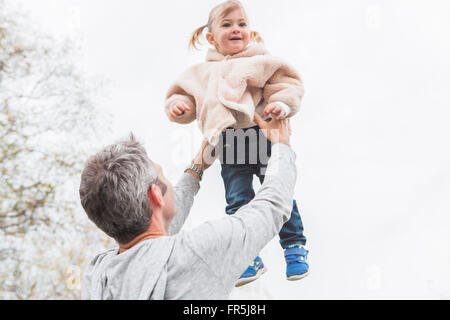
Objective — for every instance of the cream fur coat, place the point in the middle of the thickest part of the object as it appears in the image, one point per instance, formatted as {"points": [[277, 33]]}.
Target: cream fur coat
{"points": [[225, 91]]}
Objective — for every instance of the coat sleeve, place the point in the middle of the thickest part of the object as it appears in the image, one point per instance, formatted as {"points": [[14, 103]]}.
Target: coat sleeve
{"points": [[286, 86], [179, 92]]}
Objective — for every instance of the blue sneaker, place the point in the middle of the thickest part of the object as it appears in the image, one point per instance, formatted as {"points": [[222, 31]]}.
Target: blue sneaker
{"points": [[253, 272], [296, 266]]}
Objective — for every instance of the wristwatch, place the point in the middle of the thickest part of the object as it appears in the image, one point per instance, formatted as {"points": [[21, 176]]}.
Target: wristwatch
{"points": [[196, 169]]}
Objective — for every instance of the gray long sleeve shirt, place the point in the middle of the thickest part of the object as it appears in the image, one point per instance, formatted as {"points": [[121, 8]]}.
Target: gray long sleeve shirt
{"points": [[205, 262]]}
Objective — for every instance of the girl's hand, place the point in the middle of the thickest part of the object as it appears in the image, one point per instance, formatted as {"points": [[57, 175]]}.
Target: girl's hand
{"points": [[177, 110], [275, 110]]}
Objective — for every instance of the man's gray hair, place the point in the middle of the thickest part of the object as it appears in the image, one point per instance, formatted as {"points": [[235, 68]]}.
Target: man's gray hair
{"points": [[113, 189]]}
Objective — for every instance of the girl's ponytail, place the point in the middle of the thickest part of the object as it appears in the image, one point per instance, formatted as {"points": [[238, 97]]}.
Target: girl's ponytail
{"points": [[257, 37], [195, 38]]}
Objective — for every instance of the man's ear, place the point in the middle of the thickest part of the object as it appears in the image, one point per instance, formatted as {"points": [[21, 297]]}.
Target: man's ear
{"points": [[155, 196], [210, 38]]}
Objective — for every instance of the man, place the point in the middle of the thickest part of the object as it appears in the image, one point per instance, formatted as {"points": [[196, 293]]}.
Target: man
{"points": [[127, 196]]}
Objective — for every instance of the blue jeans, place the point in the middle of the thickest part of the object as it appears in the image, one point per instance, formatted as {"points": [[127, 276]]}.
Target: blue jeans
{"points": [[238, 167]]}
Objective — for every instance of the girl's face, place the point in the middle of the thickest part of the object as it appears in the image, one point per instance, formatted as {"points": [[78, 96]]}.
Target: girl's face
{"points": [[231, 34]]}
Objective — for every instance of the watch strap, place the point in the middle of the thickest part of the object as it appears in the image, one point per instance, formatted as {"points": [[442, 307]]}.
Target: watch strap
{"points": [[196, 169]]}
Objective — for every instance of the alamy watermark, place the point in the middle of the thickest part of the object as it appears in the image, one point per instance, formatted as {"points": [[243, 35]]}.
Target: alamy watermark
{"points": [[373, 278], [73, 277], [248, 146]]}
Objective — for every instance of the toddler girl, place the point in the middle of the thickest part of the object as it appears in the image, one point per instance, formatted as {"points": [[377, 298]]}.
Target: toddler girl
{"points": [[238, 78]]}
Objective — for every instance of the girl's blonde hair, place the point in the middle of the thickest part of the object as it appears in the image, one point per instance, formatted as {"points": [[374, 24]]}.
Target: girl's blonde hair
{"points": [[217, 13]]}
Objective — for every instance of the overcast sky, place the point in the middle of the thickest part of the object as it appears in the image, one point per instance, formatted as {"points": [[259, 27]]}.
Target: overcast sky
{"points": [[371, 138]]}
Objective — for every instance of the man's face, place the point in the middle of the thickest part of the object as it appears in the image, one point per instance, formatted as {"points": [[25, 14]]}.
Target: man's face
{"points": [[169, 209]]}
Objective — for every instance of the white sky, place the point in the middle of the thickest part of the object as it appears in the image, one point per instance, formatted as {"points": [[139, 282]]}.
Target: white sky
{"points": [[371, 139]]}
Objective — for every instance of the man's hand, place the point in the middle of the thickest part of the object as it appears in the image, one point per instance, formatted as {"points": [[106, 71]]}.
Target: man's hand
{"points": [[204, 158], [275, 110], [177, 110], [277, 131]]}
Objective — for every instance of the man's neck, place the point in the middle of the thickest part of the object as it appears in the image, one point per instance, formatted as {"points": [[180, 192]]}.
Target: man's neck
{"points": [[142, 237], [156, 230]]}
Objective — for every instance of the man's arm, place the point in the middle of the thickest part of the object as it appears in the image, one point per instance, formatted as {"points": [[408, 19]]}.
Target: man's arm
{"points": [[188, 186], [184, 192], [229, 244]]}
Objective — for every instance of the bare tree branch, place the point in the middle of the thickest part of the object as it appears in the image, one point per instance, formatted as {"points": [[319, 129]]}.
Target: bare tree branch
{"points": [[47, 108]]}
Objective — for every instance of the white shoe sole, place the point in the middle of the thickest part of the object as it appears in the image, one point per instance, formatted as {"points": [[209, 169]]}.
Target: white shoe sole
{"points": [[295, 278], [244, 281]]}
